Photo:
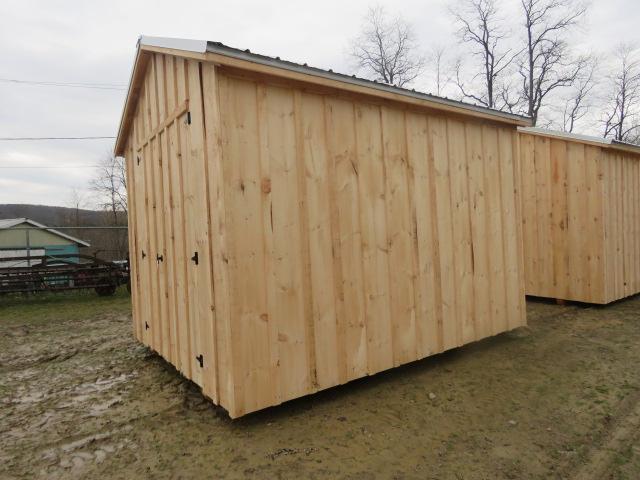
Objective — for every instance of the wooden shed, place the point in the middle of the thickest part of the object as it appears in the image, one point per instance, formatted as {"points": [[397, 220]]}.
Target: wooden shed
{"points": [[581, 216], [292, 229]]}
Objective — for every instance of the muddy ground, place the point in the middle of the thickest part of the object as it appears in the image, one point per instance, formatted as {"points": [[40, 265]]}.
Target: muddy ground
{"points": [[79, 398]]}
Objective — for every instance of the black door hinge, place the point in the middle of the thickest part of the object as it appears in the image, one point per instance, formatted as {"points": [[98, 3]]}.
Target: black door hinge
{"points": [[159, 258], [143, 254], [200, 360], [194, 259], [188, 118], [138, 159], [146, 326]]}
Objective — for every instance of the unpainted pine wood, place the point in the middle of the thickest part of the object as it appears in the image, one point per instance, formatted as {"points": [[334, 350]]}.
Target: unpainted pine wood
{"points": [[167, 260], [303, 226], [609, 250], [134, 234], [595, 229], [133, 238], [336, 250], [575, 207], [255, 376], [339, 116], [168, 154], [631, 215], [179, 252], [628, 242], [375, 247], [199, 217], [413, 234], [157, 326], [287, 300], [618, 222], [495, 228], [635, 218], [144, 209], [218, 239], [170, 82], [182, 252], [143, 239], [148, 150], [160, 254], [273, 393], [400, 236], [621, 224], [439, 157], [154, 323], [518, 289], [189, 200], [628, 220], [559, 220], [543, 210], [429, 338], [460, 219], [585, 232], [529, 206], [478, 216], [325, 222], [510, 172], [316, 168], [592, 213]]}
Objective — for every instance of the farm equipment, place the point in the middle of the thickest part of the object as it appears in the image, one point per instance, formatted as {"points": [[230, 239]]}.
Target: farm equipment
{"points": [[55, 273]]}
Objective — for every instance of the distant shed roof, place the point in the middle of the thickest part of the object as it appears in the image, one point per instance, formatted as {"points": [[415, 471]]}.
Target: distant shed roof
{"points": [[216, 51], [605, 142], [7, 223]]}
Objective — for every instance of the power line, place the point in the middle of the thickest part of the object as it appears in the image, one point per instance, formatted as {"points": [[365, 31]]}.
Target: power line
{"points": [[10, 139], [96, 86]]}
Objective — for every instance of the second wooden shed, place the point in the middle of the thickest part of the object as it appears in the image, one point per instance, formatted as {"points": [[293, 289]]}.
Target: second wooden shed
{"points": [[581, 216], [292, 229]]}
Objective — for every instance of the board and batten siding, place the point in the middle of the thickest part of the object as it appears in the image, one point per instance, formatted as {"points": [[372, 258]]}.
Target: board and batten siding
{"points": [[581, 219], [290, 237]]}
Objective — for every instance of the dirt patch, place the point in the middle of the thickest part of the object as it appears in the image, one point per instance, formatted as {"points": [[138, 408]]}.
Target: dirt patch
{"points": [[559, 399]]}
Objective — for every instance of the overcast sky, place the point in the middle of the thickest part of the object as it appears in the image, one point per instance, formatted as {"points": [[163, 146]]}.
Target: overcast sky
{"points": [[94, 42]]}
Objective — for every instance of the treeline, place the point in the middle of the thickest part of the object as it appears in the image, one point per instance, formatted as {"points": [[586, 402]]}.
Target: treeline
{"points": [[521, 56]]}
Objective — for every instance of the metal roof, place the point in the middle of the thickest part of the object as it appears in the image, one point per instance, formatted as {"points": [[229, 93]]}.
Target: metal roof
{"points": [[7, 223], [607, 142], [202, 46]]}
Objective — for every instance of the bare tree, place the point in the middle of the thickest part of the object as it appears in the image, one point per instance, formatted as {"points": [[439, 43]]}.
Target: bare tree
{"points": [[110, 187], [577, 105], [546, 64], [622, 117], [441, 72], [387, 49], [479, 27], [76, 201]]}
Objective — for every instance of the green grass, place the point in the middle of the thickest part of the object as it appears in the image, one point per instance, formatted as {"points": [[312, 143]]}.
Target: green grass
{"points": [[47, 307]]}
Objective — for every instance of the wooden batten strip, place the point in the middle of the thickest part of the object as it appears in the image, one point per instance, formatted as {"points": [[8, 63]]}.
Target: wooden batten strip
{"points": [[177, 113]]}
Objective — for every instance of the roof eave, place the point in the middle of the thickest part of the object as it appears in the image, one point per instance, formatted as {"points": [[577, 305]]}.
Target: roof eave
{"points": [[220, 49], [202, 49], [589, 139]]}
